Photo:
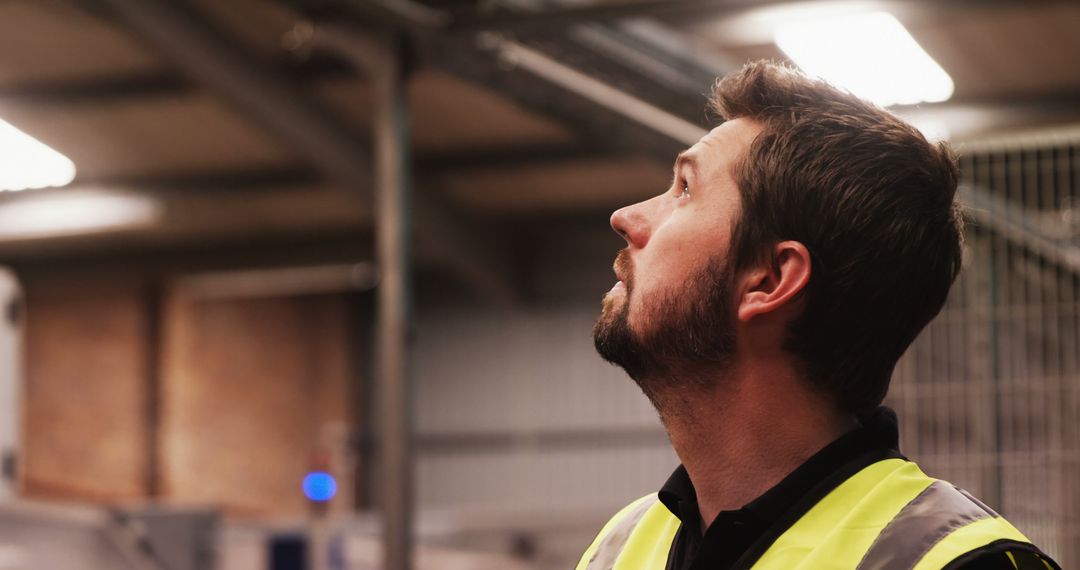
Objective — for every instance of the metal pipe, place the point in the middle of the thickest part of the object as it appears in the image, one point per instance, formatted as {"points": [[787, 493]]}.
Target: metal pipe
{"points": [[600, 93], [393, 300], [11, 383], [381, 60]]}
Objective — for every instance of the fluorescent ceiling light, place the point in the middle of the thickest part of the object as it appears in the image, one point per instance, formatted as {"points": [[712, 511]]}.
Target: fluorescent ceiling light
{"points": [[74, 212], [870, 54], [758, 25], [26, 162], [933, 128]]}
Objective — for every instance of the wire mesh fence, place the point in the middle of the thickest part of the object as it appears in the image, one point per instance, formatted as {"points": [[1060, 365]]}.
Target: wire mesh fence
{"points": [[988, 394]]}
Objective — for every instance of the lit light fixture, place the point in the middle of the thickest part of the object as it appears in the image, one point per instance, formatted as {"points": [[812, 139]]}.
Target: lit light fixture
{"points": [[870, 54], [69, 212], [26, 162], [319, 486], [933, 128]]}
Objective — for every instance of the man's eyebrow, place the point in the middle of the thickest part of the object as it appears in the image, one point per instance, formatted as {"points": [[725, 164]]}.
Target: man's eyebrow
{"points": [[686, 159]]}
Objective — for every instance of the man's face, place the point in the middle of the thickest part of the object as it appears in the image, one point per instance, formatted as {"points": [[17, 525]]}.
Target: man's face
{"points": [[670, 308]]}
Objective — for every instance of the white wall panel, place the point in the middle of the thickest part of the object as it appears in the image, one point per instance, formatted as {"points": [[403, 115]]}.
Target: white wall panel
{"points": [[572, 432], [527, 370], [574, 481]]}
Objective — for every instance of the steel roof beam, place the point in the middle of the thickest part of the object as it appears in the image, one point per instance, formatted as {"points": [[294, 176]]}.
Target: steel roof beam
{"points": [[264, 178], [119, 87], [641, 56], [205, 54], [558, 17], [193, 43]]}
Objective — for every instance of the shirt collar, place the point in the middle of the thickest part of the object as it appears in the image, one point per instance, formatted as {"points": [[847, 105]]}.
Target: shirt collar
{"points": [[876, 431]]}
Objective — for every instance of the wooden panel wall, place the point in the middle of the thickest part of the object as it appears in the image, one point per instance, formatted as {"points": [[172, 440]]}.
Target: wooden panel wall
{"points": [[247, 391], [85, 433], [251, 389]]}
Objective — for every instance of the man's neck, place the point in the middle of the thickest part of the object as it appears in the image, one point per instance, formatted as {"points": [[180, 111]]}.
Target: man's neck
{"points": [[742, 436]]}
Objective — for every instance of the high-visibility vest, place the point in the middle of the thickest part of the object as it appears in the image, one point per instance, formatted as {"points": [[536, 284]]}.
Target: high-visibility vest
{"points": [[889, 515]]}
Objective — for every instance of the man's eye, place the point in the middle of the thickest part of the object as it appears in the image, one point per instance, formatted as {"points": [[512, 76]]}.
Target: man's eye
{"points": [[685, 191]]}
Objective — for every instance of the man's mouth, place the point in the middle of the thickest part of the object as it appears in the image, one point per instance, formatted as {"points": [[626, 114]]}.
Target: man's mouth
{"points": [[622, 267]]}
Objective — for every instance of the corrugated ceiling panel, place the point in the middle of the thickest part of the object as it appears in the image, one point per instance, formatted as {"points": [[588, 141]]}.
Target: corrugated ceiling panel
{"points": [[51, 41]]}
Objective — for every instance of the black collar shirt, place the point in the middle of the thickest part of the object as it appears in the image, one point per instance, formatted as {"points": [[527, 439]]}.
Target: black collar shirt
{"points": [[736, 539]]}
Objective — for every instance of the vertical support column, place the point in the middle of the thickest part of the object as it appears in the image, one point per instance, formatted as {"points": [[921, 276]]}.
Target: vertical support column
{"points": [[393, 302], [11, 384], [152, 353]]}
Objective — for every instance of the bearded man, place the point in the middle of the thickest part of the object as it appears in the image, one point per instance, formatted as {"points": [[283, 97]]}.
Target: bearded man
{"points": [[762, 303]]}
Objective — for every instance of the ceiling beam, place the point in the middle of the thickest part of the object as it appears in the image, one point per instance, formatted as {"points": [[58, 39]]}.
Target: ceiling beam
{"points": [[205, 53], [159, 219], [643, 57], [265, 178], [622, 88], [571, 78], [429, 168], [194, 44], [601, 126], [238, 252], [552, 88], [1002, 111], [554, 19], [446, 164], [95, 90], [111, 89]]}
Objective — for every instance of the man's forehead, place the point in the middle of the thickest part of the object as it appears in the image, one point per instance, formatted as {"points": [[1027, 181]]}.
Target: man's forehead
{"points": [[738, 133], [729, 139]]}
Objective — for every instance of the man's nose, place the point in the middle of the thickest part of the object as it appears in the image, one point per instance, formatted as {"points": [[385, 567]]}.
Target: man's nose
{"points": [[632, 224]]}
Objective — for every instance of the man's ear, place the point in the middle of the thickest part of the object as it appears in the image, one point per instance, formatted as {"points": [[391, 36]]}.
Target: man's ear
{"points": [[774, 286]]}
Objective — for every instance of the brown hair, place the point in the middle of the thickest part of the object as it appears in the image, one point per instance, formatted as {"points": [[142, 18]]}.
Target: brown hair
{"points": [[872, 201]]}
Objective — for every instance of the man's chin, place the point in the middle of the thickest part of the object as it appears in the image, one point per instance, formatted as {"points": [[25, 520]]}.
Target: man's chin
{"points": [[611, 303], [611, 333]]}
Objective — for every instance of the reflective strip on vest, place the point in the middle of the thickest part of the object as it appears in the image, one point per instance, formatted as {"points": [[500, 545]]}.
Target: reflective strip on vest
{"points": [[638, 537], [938, 511], [889, 515], [839, 529], [592, 552], [979, 532], [651, 539], [613, 543]]}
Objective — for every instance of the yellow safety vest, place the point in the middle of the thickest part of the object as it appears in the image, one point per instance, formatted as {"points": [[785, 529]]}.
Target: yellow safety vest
{"points": [[889, 516]]}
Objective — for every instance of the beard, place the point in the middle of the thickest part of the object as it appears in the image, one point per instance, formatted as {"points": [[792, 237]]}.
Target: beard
{"points": [[682, 332]]}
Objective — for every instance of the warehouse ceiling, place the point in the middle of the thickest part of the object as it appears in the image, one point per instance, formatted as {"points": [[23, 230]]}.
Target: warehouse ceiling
{"points": [[503, 155]]}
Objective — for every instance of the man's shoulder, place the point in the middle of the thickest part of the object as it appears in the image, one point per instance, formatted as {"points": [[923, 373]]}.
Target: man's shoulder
{"points": [[613, 536], [1005, 557], [966, 534]]}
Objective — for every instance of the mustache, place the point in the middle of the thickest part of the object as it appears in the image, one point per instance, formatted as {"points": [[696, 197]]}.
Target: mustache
{"points": [[624, 267]]}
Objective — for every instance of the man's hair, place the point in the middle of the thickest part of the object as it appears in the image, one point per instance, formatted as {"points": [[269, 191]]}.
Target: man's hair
{"points": [[871, 200]]}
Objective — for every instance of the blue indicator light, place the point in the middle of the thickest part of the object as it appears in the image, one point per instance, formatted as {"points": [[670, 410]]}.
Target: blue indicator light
{"points": [[319, 486]]}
